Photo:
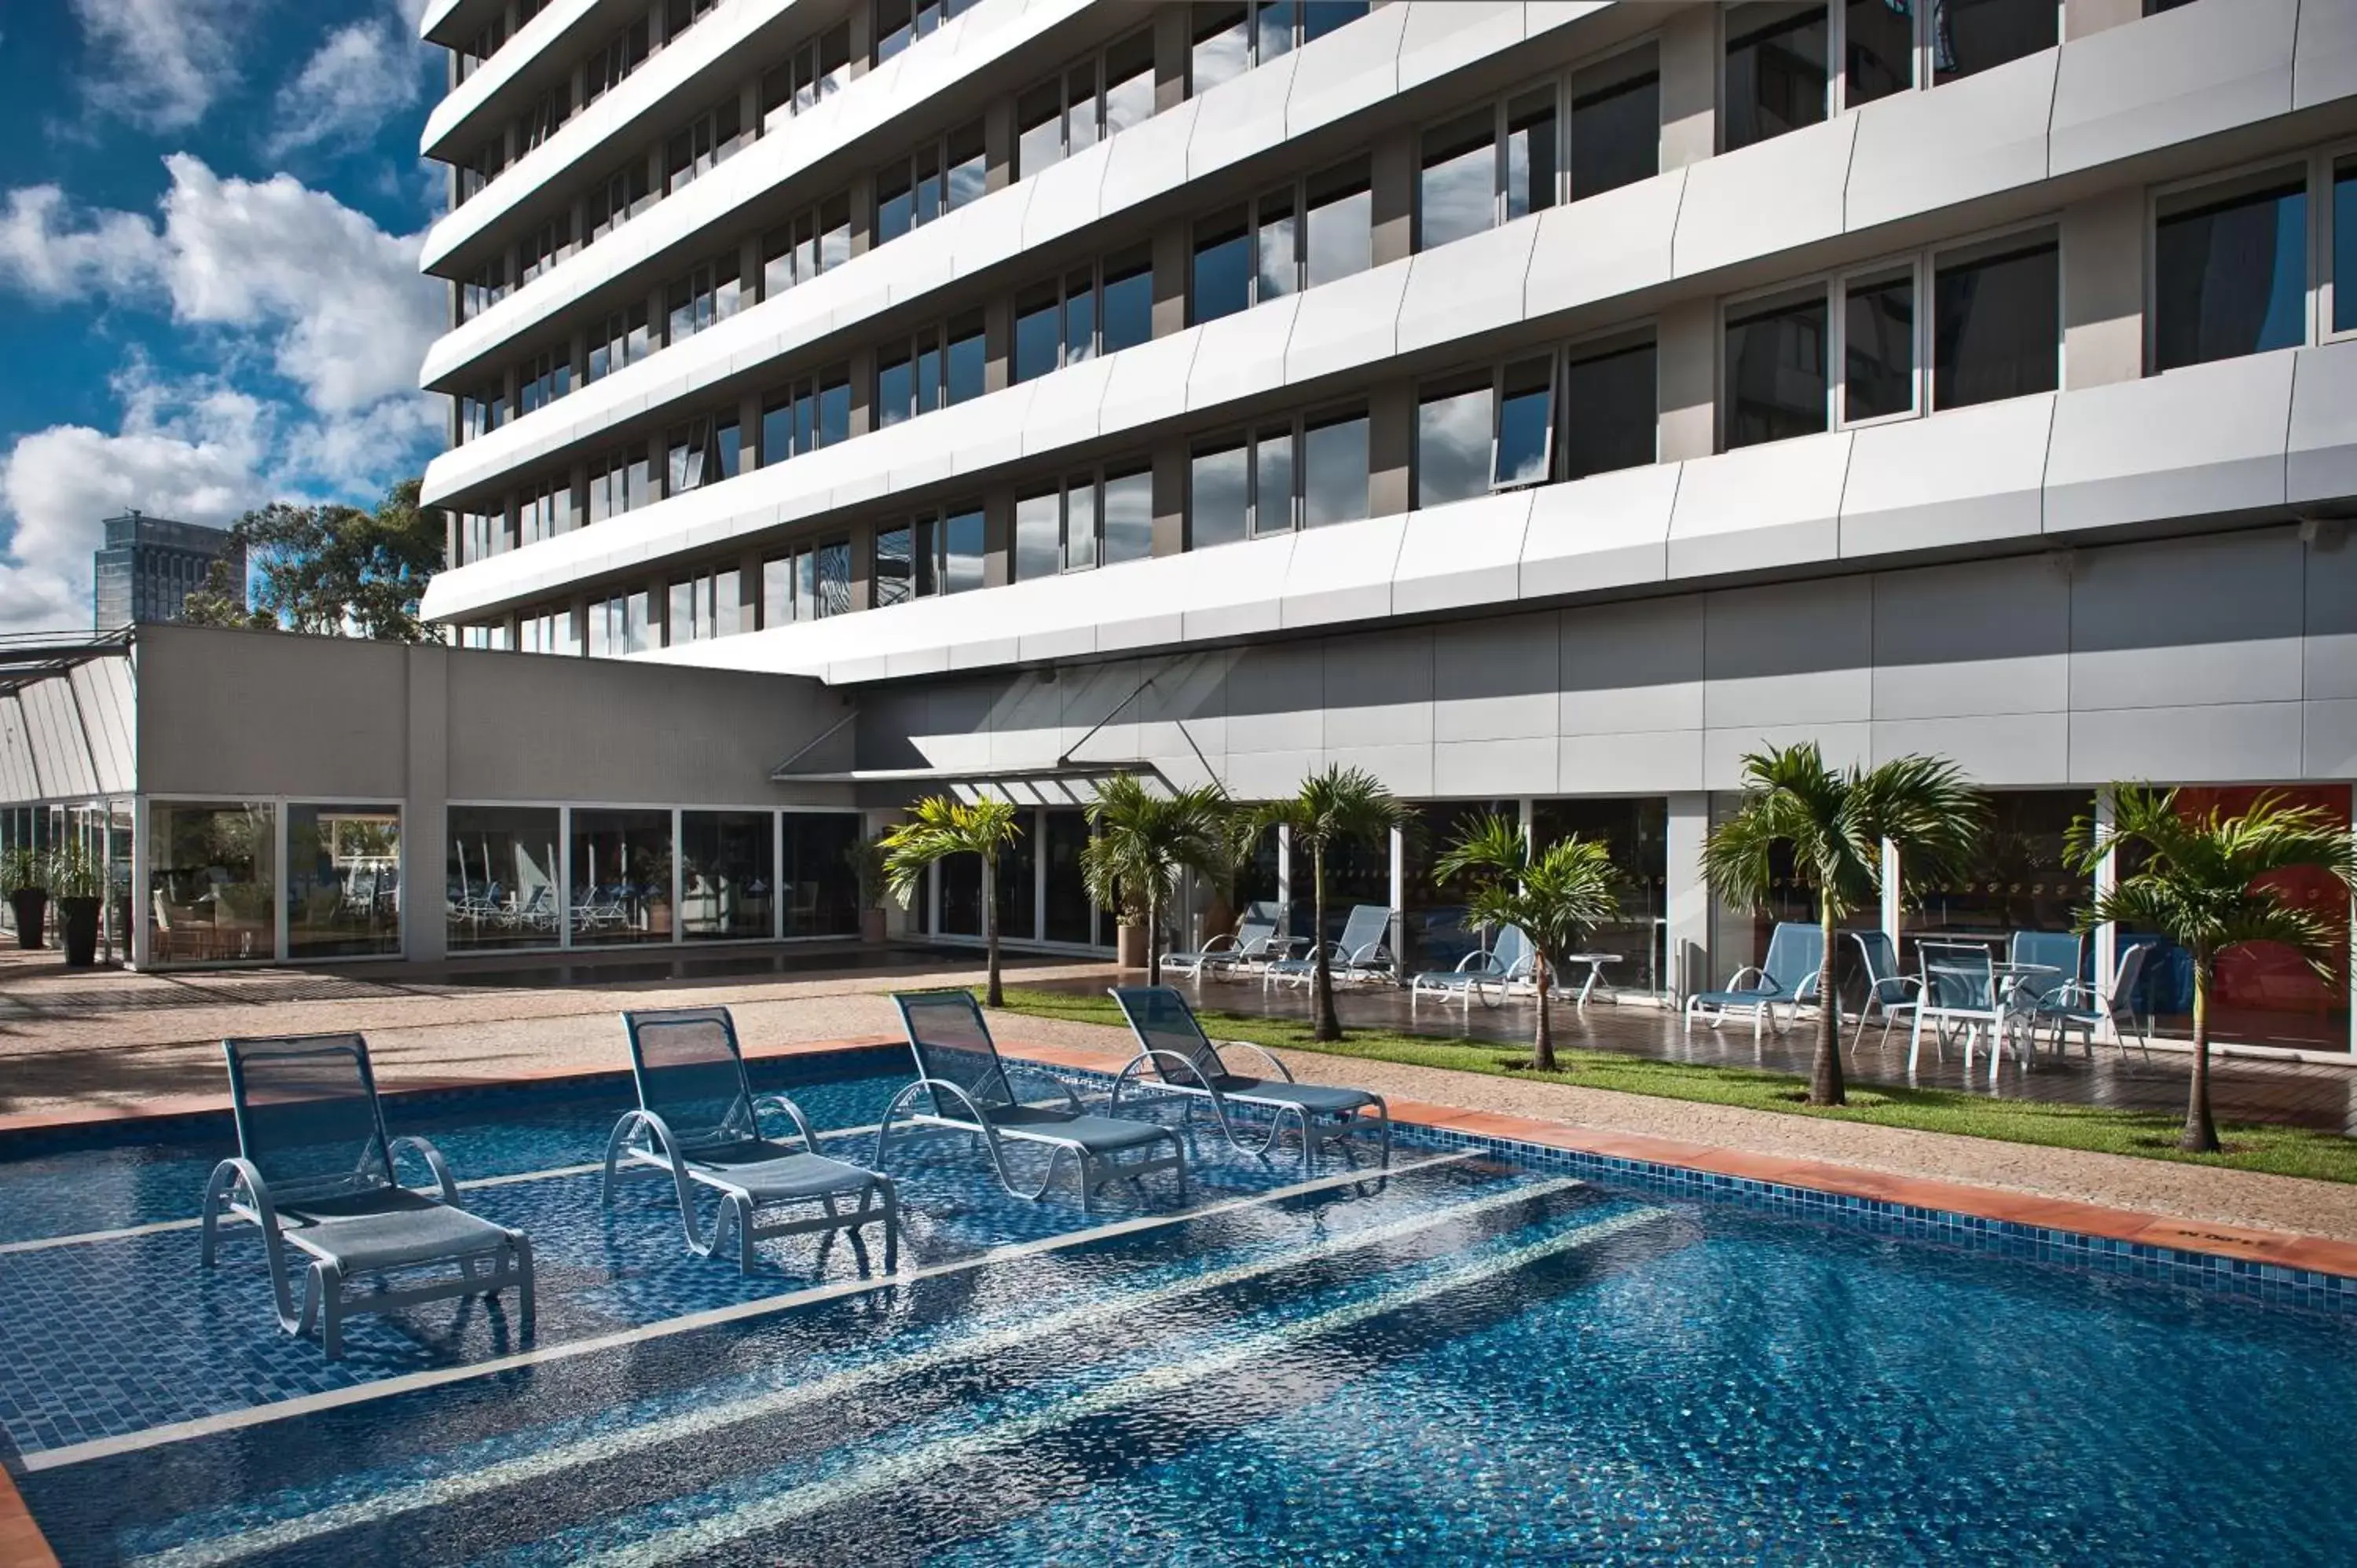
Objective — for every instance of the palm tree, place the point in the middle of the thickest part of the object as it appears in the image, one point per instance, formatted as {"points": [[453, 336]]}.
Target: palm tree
{"points": [[2197, 880], [1142, 841], [938, 827], [1556, 898], [1339, 805], [1834, 824]]}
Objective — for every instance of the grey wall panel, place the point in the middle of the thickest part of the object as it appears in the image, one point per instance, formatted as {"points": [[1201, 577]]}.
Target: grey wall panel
{"points": [[1760, 507], [2328, 739], [2324, 54], [958, 724], [1479, 768], [1241, 118], [1026, 722], [1636, 763], [2186, 73], [1150, 159], [1270, 775], [1149, 382], [2220, 745], [1605, 246], [1771, 195], [1792, 653], [1345, 324], [2171, 445], [1469, 553], [2329, 648], [1274, 698], [2321, 463], [1996, 749], [1106, 695], [1405, 771], [1495, 679], [1241, 354], [1378, 690], [251, 713], [2189, 621], [1987, 636], [1989, 129], [1954, 479], [1608, 531], [1632, 668], [1471, 287], [1342, 572], [1723, 750]]}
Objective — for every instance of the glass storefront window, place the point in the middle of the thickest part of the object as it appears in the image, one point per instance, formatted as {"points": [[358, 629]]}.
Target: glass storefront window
{"points": [[500, 878], [1434, 920], [2018, 881], [1068, 893], [725, 869], [621, 877], [213, 881], [1019, 884], [820, 890], [1638, 830], [343, 880], [1358, 870]]}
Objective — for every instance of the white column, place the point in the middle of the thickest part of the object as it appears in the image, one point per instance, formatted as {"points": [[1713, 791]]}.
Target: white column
{"points": [[1285, 877], [678, 876], [278, 891], [563, 877], [2107, 878], [1686, 899], [1892, 870], [1399, 900], [778, 874], [142, 900], [1039, 874]]}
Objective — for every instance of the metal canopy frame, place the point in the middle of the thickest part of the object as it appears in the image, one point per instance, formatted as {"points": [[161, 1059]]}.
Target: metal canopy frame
{"points": [[27, 657]]}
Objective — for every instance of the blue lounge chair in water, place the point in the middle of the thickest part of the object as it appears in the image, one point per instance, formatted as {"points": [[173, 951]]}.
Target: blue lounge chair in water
{"points": [[1176, 1057], [963, 1087], [314, 1170], [699, 1122], [1362, 951], [1796, 953], [1487, 972]]}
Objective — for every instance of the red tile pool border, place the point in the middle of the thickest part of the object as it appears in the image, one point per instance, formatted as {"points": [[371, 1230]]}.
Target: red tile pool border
{"points": [[22, 1544]]}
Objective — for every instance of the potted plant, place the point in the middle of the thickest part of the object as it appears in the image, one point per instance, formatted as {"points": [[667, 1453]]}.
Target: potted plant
{"points": [[865, 858], [27, 882], [79, 884]]}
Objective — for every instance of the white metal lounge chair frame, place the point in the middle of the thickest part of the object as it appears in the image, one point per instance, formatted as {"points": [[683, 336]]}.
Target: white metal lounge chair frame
{"points": [[1478, 973], [1766, 993], [1345, 959]]}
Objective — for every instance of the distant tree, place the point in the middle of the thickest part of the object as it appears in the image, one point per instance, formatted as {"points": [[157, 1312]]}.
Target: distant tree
{"points": [[1556, 898], [1140, 843], [938, 827], [331, 570], [1337, 806]]}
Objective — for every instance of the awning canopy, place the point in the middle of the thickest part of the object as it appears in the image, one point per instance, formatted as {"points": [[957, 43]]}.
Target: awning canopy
{"points": [[1048, 784], [29, 655]]}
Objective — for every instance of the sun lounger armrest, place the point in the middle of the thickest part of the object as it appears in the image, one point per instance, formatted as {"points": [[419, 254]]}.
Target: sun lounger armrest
{"points": [[1259, 1051], [1157, 1059], [446, 1184], [1475, 962], [939, 1085], [793, 1113], [227, 1178], [1070, 1099]]}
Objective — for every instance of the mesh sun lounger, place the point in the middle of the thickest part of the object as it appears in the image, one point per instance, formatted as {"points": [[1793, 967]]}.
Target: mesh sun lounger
{"points": [[963, 1087], [1255, 941], [1796, 953], [314, 1170], [698, 1121], [1176, 1057], [1486, 974], [1362, 951]]}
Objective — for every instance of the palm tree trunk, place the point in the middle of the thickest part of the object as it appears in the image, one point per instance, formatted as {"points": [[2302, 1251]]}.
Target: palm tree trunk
{"points": [[1153, 935], [2201, 1135], [1330, 1023], [993, 994], [1825, 1071], [1542, 1042]]}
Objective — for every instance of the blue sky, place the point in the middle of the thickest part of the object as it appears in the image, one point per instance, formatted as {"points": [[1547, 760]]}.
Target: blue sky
{"points": [[208, 241]]}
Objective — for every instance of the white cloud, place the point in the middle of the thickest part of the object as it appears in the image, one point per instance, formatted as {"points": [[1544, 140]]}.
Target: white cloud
{"points": [[361, 77], [161, 63], [338, 302]]}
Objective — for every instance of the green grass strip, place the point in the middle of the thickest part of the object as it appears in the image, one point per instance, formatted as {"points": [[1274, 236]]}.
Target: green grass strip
{"points": [[2149, 1135]]}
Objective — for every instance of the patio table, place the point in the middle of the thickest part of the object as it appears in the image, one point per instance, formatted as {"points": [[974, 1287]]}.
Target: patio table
{"points": [[1595, 981]]}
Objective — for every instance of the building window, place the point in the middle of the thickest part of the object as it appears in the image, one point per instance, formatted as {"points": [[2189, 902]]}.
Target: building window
{"points": [[545, 511], [900, 23], [481, 535], [937, 177], [1616, 124], [483, 288], [1972, 36], [489, 635], [808, 584], [620, 625], [619, 341], [1776, 75], [1092, 520], [928, 557], [704, 144], [542, 379], [2230, 270], [540, 122], [702, 451], [1334, 471], [1776, 375], [817, 70], [726, 862], [1996, 323], [624, 195], [703, 608], [618, 483], [1611, 404], [1096, 310], [705, 297], [2343, 242], [1307, 473], [1230, 39], [814, 412], [1452, 442], [212, 880], [550, 633], [1297, 236], [921, 375], [501, 874], [549, 243], [1457, 189], [620, 54], [483, 411], [621, 872], [815, 241], [1073, 111]]}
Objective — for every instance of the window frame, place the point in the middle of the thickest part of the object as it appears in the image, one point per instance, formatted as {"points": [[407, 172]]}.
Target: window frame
{"points": [[2315, 164]]}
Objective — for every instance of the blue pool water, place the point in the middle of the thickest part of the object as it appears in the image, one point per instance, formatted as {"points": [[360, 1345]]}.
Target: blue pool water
{"points": [[1467, 1361]]}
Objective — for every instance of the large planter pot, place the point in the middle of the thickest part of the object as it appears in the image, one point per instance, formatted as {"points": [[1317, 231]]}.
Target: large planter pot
{"points": [[31, 905], [871, 927], [1129, 948], [78, 926]]}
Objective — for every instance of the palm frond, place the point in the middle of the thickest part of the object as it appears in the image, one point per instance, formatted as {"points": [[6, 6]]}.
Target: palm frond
{"points": [[938, 827], [1491, 843], [1835, 822]]}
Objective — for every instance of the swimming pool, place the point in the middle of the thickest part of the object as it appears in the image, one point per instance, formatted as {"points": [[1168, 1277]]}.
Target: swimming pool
{"points": [[1472, 1359]]}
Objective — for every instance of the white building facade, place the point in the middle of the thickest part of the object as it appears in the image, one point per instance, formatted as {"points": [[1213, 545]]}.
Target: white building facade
{"points": [[1538, 405]]}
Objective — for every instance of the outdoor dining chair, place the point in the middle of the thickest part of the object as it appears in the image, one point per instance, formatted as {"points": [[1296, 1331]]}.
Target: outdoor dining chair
{"points": [[314, 1170], [2078, 1008], [963, 1086], [1889, 994], [1176, 1057], [699, 1123], [1961, 991]]}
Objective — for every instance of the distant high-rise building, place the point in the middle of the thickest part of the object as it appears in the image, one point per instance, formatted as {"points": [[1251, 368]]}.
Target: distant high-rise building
{"points": [[149, 566]]}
